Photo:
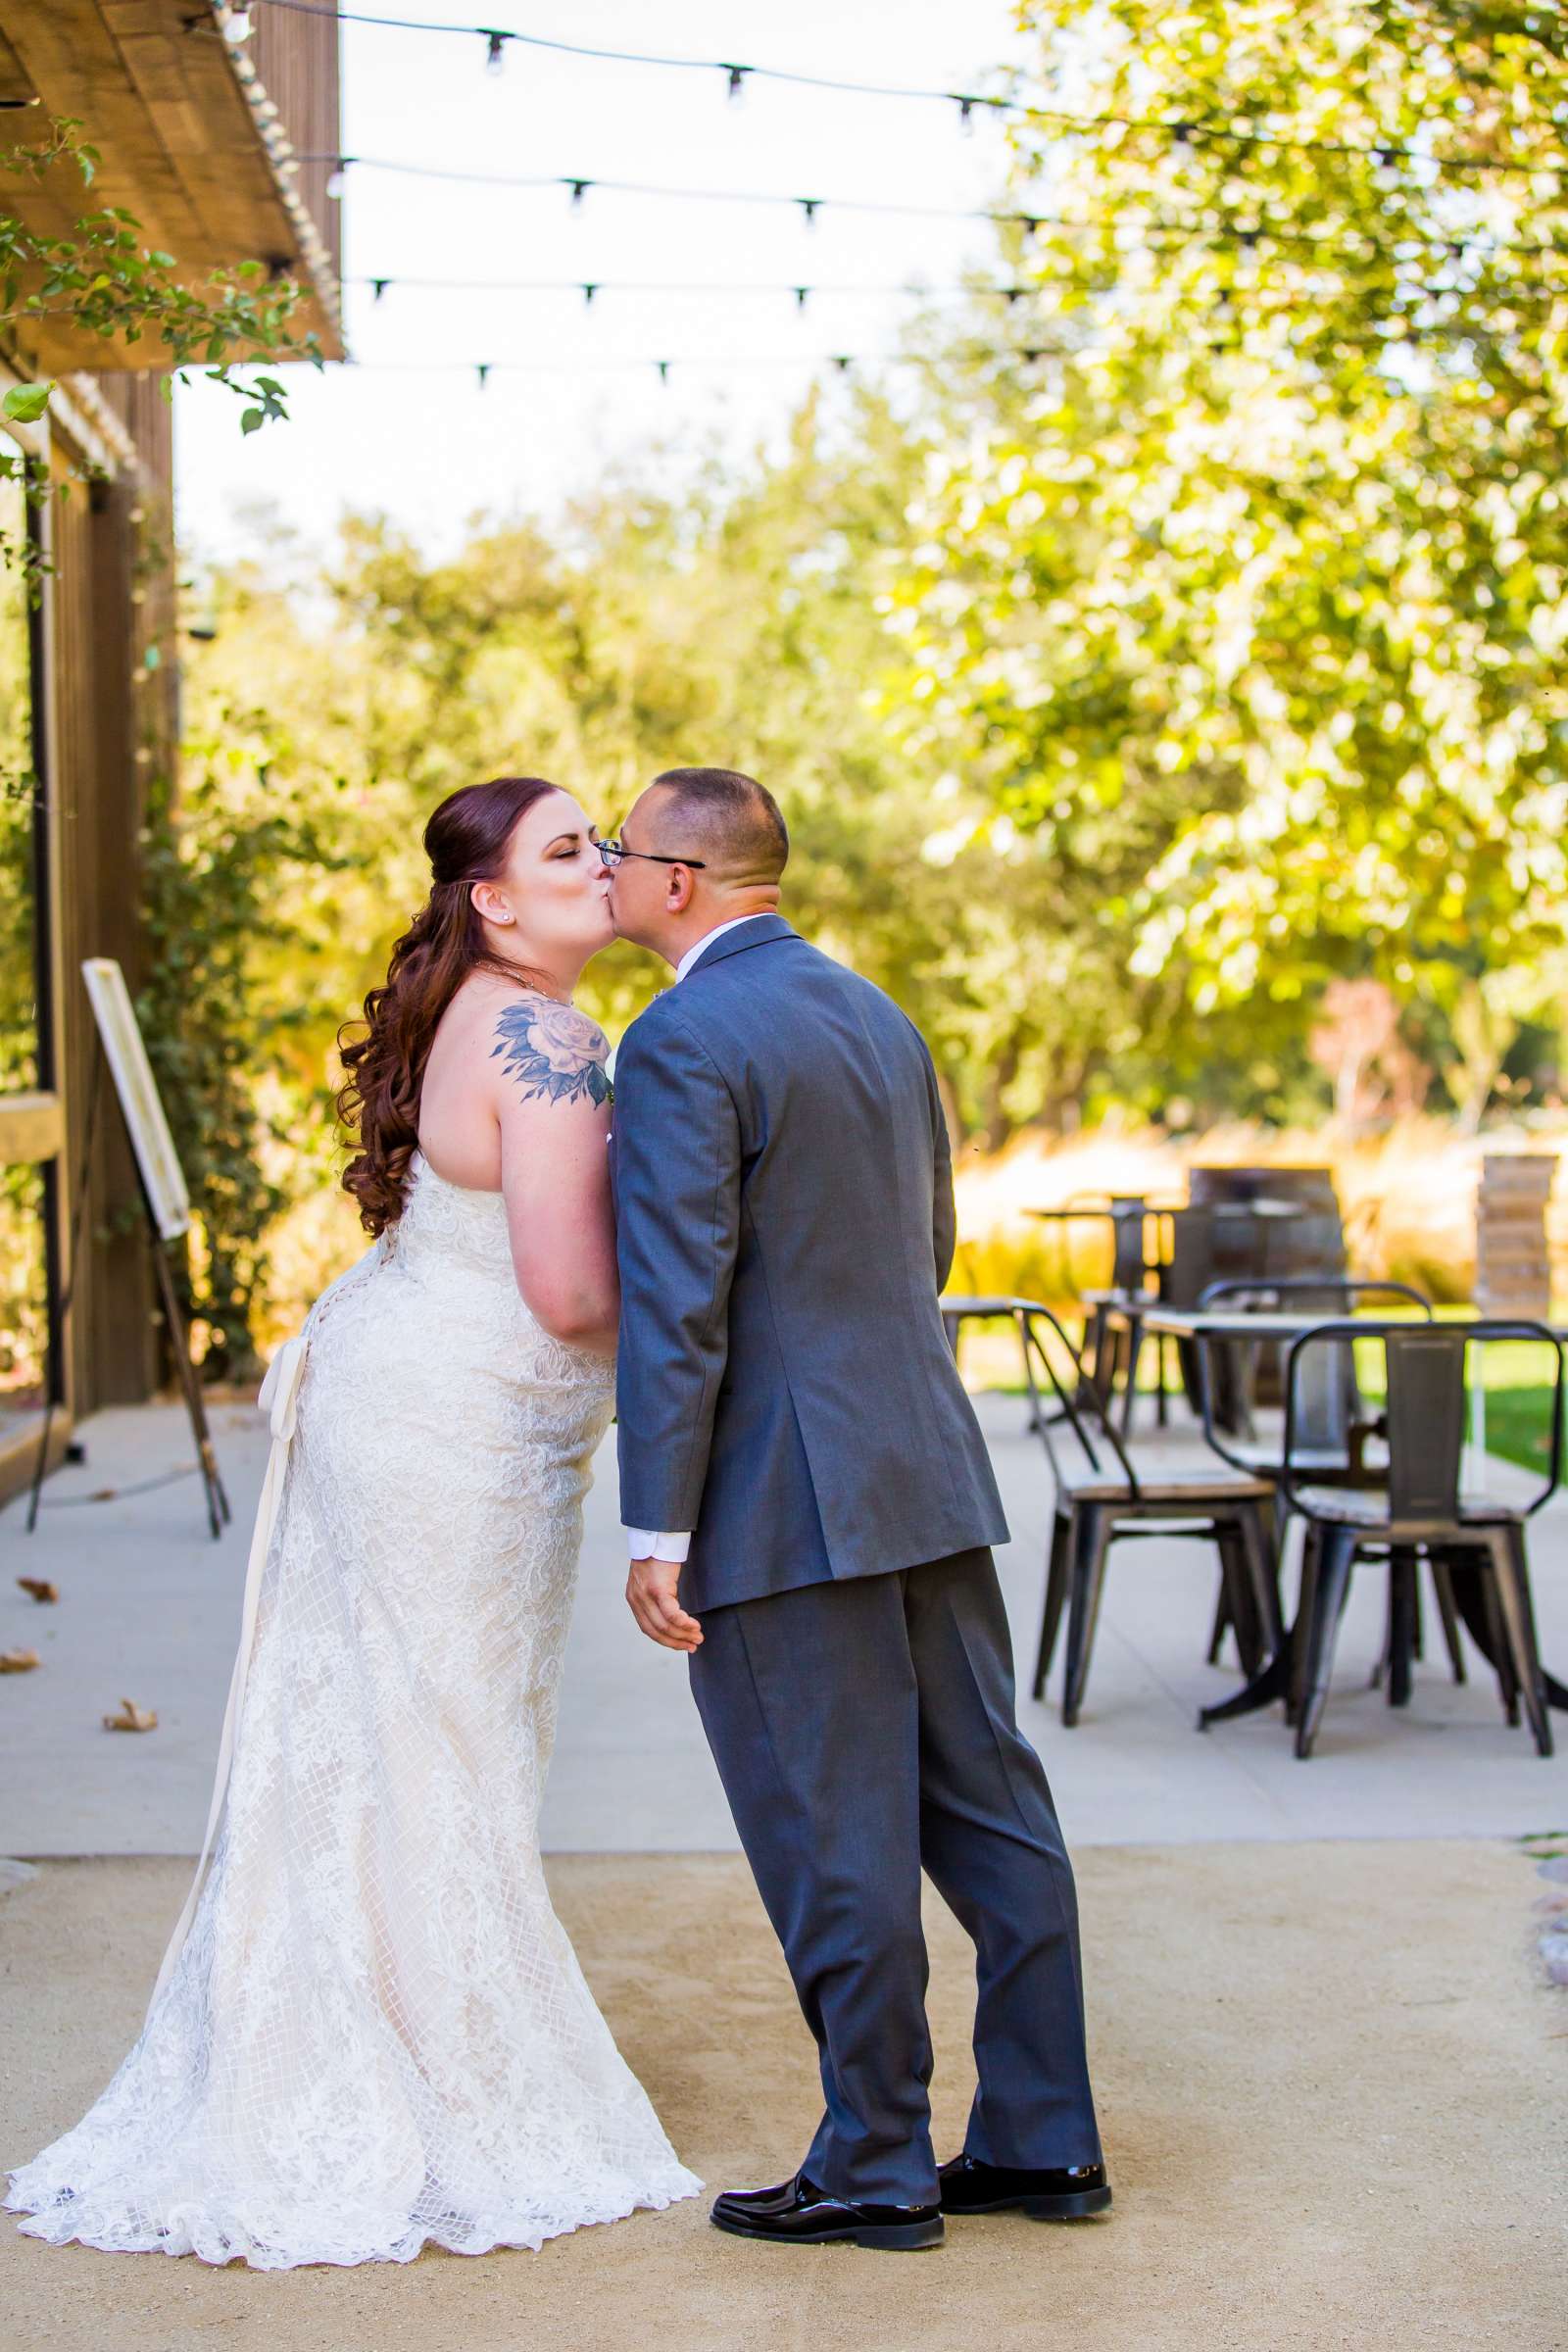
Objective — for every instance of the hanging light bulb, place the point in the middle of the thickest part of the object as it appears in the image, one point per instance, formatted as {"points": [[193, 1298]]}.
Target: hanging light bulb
{"points": [[336, 181], [237, 25], [810, 205], [494, 51], [736, 87]]}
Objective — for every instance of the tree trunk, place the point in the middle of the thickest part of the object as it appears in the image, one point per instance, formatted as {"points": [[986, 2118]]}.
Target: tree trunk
{"points": [[997, 1120]]}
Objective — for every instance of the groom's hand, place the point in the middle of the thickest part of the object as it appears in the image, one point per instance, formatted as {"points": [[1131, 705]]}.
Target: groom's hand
{"points": [[651, 1590]]}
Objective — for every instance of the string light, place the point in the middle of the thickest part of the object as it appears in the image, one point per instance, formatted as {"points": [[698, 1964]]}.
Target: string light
{"points": [[590, 288], [841, 362], [1030, 223], [495, 50], [1183, 133], [1386, 335]]}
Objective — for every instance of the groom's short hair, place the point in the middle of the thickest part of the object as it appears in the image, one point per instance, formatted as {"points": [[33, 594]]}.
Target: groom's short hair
{"points": [[729, 819]]}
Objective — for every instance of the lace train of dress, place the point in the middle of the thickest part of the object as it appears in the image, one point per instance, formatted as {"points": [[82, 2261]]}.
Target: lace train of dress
{"points": [[375, 2033]]}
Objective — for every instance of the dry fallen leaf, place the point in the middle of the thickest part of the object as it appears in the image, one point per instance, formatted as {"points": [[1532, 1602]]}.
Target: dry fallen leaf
{"points": [[132, 1718], [18, 1661], [39, 1587]]}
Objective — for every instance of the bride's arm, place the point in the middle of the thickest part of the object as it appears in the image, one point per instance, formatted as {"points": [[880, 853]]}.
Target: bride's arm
{"points": [[552, 1101]]}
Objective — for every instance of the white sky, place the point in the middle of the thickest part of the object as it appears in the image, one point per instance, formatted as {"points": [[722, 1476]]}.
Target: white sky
{"points": [[430, 449]]}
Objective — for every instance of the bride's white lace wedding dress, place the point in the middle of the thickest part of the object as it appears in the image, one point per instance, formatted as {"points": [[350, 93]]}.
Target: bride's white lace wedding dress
{"points": [[375, 2032]]}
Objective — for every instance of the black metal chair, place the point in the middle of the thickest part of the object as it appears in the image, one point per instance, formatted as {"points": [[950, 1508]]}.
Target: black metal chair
{"points": [[1211, 1241], [1102, 1497], [1334, 1432], [1250, 1224], [1111, 1346], [1419, 1512], [1333, 1426]]}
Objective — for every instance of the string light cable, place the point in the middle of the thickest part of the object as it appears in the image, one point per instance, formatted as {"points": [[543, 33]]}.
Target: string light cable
{"points": [[1245, 234], [1392, 334], [1011, 292], [1384, 152]]}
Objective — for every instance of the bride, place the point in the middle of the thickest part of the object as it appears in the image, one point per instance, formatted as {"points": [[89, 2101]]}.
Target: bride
{"points": [[371, 2030]]}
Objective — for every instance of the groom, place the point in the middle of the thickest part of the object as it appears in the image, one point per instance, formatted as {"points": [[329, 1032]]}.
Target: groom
{"points": [[813, 1508]]}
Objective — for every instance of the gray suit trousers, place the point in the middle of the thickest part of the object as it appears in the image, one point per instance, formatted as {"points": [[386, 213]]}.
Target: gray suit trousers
{"points": [[865, 1730]]}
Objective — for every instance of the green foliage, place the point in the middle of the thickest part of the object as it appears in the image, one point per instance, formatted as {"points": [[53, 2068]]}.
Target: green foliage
{"points": [[109, 283], [19, 786], [25, 404], [738, 622], [1265, 576], [212, 868], [1175, 721]]}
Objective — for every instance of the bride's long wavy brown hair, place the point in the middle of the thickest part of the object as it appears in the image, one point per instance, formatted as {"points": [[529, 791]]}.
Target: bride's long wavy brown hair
{"points": [[465, 841]]}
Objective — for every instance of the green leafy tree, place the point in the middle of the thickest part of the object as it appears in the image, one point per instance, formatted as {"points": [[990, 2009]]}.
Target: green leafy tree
{"points": [[1266, 566]]}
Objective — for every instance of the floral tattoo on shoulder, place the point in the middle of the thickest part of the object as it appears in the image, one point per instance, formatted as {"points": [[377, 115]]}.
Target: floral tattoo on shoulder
{"points": [[554, 1052]]}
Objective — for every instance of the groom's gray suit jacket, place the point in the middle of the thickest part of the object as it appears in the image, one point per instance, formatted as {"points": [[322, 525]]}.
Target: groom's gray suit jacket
{"points": [[784, 1194]]}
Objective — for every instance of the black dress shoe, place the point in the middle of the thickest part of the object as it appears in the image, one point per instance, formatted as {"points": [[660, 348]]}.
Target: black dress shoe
{"points": [[1067, 2192], [800, 2214]]}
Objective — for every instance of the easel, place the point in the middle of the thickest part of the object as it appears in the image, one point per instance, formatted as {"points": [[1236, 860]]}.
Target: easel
{"points": [[217, 1510]]}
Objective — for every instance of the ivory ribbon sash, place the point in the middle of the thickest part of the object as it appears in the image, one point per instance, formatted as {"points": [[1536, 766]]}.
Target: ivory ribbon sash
{"points": [[279, 1398]]}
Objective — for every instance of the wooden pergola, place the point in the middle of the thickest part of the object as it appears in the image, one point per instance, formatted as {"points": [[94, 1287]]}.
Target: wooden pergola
{"points": [[188, 130], [202, 138]]}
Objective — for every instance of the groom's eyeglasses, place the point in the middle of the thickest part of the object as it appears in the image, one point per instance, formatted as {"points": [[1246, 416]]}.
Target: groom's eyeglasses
{"points": [[613, 852]]}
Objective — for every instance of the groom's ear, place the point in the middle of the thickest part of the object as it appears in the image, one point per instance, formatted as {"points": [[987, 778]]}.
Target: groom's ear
{"points": [[679, 890]]}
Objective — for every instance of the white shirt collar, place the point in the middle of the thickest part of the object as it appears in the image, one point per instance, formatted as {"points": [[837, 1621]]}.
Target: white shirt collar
{"points": [[706, 942]]}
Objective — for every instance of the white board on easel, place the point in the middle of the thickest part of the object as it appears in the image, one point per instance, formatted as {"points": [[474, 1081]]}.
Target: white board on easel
{"points": [[137, 1089], [167, 1202]]}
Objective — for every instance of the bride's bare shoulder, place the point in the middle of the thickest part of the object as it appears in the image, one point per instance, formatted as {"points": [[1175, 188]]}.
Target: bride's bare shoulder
{"points": [[542, 1051]]}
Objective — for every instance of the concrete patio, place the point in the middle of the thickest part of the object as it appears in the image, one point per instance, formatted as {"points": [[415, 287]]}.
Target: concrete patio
{"points": [[1383, 2171], [149, 1608]]}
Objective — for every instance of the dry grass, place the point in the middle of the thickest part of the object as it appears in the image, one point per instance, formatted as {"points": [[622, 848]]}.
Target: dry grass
{"points": [[1407, 1194]]}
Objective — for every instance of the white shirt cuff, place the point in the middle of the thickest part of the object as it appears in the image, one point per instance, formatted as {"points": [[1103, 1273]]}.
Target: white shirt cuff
{"points": [[646, 1543]]}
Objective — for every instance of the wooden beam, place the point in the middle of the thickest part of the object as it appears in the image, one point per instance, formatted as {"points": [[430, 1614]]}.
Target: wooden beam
{"points": [[15, 91], [74, 64], [31, 1129], [183, 79], [157, 92]]}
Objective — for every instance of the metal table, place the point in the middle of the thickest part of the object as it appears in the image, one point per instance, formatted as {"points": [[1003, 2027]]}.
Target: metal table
{"points": [[1204, 1324]]}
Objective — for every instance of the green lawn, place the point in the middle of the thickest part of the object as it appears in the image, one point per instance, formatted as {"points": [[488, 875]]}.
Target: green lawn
{"points": [[1518, 1377], [1518, 1380]]}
